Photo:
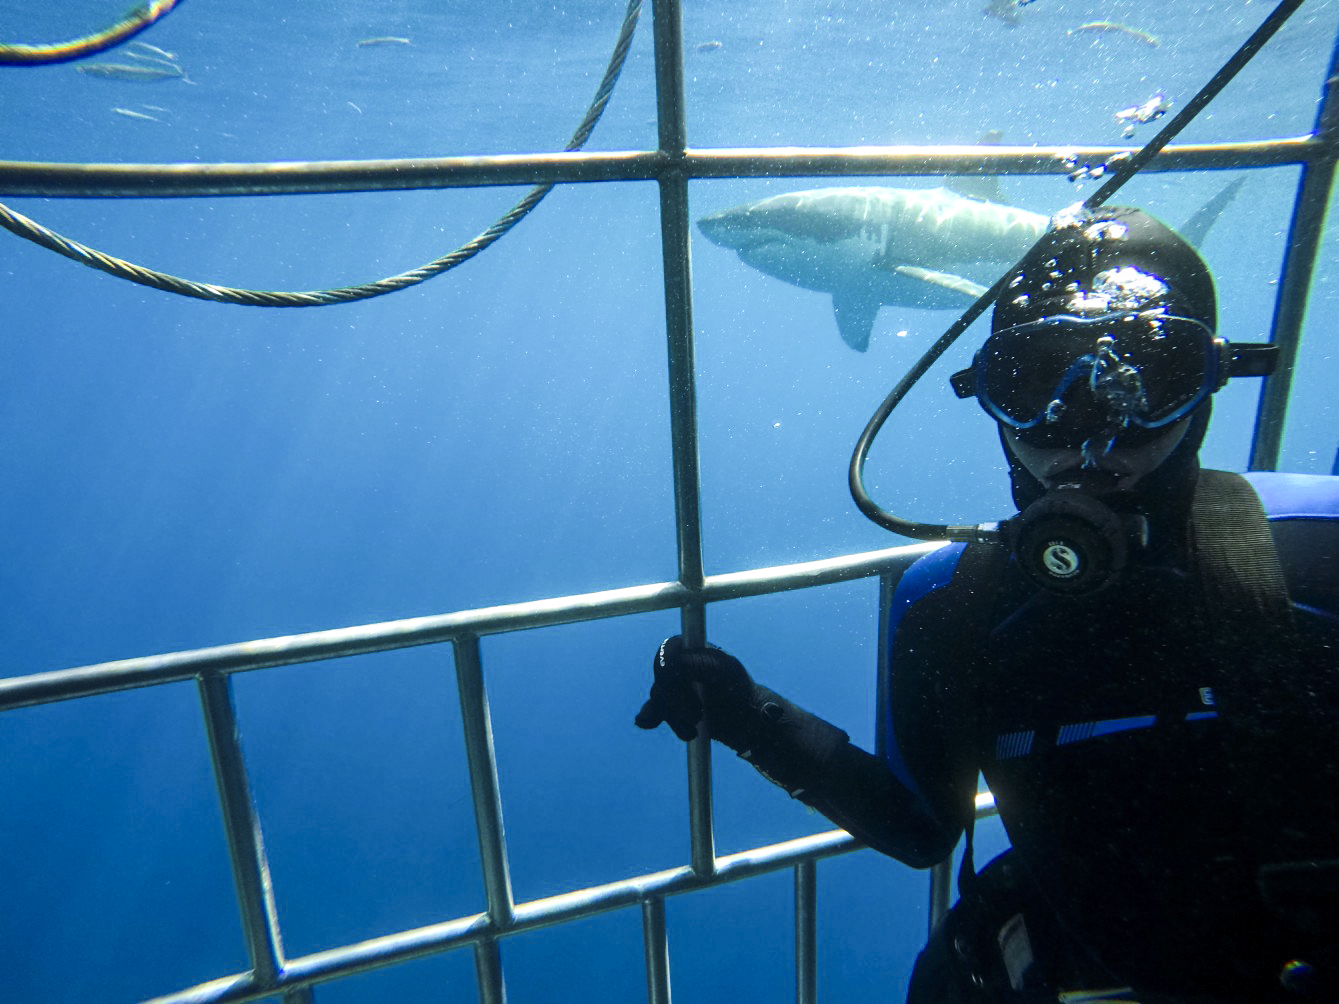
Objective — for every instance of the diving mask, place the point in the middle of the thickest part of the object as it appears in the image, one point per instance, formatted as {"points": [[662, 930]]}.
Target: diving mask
{"points": [[1063, 379]]}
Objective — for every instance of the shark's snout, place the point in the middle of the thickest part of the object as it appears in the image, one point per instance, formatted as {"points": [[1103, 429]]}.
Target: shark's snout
{"points": [[729, 228]]}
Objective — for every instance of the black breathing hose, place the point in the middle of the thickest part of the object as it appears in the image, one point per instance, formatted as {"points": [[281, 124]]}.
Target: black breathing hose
{"points": [[1124, 172]]}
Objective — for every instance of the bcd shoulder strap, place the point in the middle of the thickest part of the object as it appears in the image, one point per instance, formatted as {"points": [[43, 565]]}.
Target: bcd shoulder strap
{"points": [[1235, 558], [1235, 567]]}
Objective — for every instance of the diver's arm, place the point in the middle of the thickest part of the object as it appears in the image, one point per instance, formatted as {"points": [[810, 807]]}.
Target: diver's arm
{"points": [[810, 758], [815, 762]]}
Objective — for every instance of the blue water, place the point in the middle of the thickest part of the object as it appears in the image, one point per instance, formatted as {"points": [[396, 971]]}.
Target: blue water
{"points": [[178, 474]]}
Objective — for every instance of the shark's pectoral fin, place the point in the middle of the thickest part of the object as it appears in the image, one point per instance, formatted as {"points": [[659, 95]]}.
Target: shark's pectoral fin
{"points": [[855, 317], [947, 280]]}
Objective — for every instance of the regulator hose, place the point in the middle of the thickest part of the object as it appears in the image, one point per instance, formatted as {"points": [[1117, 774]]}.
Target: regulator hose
{"points": [[1125, 169]]}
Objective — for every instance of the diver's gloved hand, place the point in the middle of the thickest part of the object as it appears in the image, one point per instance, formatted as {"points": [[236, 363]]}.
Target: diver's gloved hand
{"points": [[681, 674], [788, 745]]}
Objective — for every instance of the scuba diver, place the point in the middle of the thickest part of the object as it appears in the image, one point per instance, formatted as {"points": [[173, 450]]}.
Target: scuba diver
{"points": [[1143, 664]]}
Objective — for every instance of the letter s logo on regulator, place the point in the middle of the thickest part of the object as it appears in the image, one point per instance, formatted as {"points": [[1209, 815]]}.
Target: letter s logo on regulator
{"points": [[1060, 560]]}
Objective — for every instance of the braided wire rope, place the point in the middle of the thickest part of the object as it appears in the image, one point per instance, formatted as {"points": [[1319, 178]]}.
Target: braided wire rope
{"points": [[22, 226], [131, 24]]}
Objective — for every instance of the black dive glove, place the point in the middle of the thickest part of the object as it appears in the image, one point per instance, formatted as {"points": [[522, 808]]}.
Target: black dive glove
{"points": [[787, 744], [679, 673]]}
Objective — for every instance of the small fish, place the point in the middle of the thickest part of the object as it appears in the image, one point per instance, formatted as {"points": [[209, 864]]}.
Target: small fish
{"points": [[153, 108], [1113, 28], [130, 113], [354, 107], [144, 57], [138, 74], [367, 43], [153, 50], [711, 46]]}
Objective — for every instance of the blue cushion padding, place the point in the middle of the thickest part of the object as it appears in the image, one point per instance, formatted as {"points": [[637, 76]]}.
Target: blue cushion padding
{"points": [[1296, 496]]}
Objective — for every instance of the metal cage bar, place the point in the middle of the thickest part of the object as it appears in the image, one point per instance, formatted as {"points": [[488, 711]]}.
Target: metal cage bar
{"points": [[317, 646], [404, 946], [675, 238], [482, 759], [488, 971], [655, 937], [806, 932], [241, 823], [1305, 232], [110, 181]]}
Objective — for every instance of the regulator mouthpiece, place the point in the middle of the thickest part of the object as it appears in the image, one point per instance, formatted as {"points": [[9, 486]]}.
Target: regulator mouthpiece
{"points": [[1070, 542]]}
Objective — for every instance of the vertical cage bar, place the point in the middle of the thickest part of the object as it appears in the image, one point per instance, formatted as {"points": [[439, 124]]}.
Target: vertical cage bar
{"points": [[941, 878], [482, 759], [667, 25], [883, 673], [676, 254], [656, 941], [246, 846], [488, 972], [806, 932], [1299, 263], [701, 828]]}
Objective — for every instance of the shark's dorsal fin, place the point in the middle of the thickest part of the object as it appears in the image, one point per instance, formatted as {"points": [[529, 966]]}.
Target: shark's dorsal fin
{"points": [[978, 186], [947, 280], [855, 312], [1197, 227]]}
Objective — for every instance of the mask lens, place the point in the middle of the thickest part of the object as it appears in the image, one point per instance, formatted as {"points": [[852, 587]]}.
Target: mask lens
{"points": [[1147, 370]]}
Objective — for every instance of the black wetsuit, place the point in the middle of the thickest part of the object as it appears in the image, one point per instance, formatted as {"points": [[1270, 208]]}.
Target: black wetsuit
{"points": [[1153, 764]]}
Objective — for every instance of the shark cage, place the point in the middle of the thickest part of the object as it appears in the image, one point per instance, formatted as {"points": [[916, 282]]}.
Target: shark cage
{"points": [[271, 972]]}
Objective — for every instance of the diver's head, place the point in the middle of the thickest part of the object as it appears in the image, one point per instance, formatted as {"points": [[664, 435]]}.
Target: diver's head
{"points": [[1099, 368], [1102, 353]]}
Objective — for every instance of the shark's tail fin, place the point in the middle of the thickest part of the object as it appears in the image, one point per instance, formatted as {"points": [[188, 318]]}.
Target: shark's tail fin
{"points": [[1197, 227]]}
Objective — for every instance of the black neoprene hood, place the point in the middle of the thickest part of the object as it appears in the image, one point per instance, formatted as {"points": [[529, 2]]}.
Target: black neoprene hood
{"points": [[1064, 267], [1069, 259]]}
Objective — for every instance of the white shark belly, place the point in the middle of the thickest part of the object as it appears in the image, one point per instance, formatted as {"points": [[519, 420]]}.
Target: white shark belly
{"points": [[862, 265]]}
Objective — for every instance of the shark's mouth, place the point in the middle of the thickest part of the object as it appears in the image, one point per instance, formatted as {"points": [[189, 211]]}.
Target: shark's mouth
{"points": [[755, 241]]}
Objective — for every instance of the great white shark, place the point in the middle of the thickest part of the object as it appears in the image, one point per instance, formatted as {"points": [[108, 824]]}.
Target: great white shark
{"points": [[912, 247]]}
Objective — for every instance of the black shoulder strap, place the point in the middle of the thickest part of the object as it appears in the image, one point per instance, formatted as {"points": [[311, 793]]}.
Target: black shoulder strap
{"points": [[1247, 615], [1235, 558]]}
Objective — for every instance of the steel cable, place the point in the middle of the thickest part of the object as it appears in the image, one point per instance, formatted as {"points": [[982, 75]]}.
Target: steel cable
{"points": [[24, 227], [131, 24]]}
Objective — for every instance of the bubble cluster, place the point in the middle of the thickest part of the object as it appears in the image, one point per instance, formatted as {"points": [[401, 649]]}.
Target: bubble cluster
{"points": [[1150, 111]]}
